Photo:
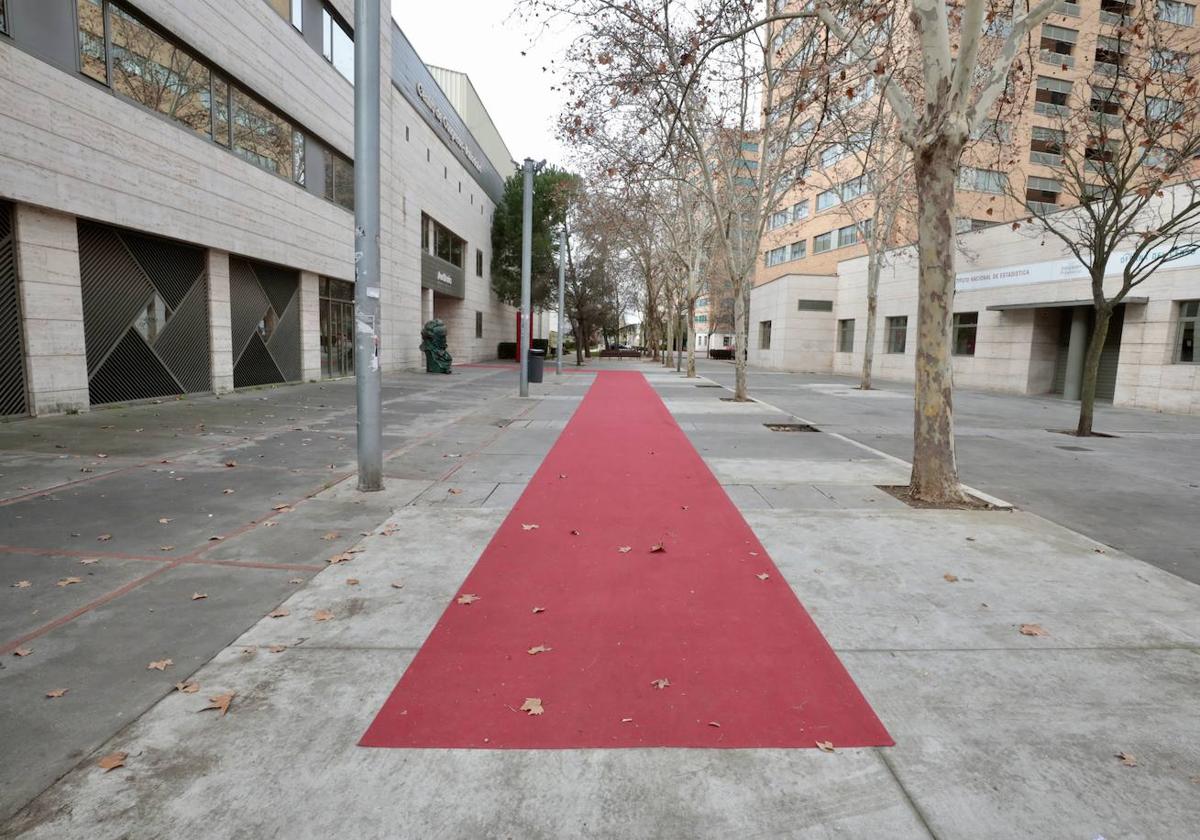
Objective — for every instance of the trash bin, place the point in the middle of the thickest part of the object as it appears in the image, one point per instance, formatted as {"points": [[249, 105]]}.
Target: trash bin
{"points": [[537, 362]]}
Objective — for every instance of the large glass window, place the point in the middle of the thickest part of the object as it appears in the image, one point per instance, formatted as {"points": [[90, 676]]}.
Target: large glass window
{"points": [[1189, 320], [337, 44], [845, 335], [339, 180], [262, 136], [764, 335], [3, 18], [799, 250], [221, 121], [897, 333], [290, 10], [93, 58], [966, 324], [154, 72], [776, 256], [442, 242], [1174, 12], [823, 242]]}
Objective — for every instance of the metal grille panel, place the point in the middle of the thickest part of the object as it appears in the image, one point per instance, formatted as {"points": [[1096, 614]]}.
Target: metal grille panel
{"points": [[184, 344], [172, 267], [131, 372], [284, 343], [12, 357], [115, 290], [279, 284], [256, 367], [247, 303]]}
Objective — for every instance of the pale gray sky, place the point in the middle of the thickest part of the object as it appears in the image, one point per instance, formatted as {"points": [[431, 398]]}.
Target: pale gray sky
{"points": [[477, 37]]}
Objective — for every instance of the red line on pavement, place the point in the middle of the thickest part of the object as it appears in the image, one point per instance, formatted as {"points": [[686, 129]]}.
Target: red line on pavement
{"points": [[744, 664]]}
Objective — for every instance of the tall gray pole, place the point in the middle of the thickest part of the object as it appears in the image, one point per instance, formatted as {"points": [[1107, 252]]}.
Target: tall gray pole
{"points": [[366, 244], [562, 281], [526, 270]]}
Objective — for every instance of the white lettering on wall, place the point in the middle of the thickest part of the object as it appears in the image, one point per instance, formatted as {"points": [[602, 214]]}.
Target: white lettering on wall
{"points": [[444, 121]]}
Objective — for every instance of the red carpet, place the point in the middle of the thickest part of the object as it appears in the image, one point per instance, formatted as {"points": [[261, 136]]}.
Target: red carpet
{"points": [[746, 665]]}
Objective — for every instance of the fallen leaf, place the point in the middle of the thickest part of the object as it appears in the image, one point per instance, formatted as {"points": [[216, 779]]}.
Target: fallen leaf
{"points": [[624, 549], [1033, 630], [322, 615], [249, 651], [282, 507], [187, 686], [714, 723], [270, 523], [220, 703], [683, 507], [1128, 759], [159, 665], [166, 548], [22, 584], [296, 580], [352, 581], [199, 596], [277, 648], [529, 527], [332, 535], [397, 584], [574, 532], [231, 463], [89, 561], [67, 581], [949, 578], [825, 746], [22, 652], [112, 761], [215, 538], [657, 548], [104, 538], [626, 720], [539, 609], [562, 475], [539, 649], [762, 575], [228, 491], [467, 599], [163, 521], [533, 705], [279, 612], [454, 491], [56, 692], [344, 557], [661, 683]]}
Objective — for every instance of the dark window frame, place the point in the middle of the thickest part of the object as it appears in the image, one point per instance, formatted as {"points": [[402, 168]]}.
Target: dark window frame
{"points": [[845, 335], [965, 333], [764, 335], [478, 324], [4, 17], [478, 262], [896, 332], [1187, 322]]}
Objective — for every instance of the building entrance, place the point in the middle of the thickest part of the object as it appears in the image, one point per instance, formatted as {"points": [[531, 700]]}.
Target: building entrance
{"points": [[337, 328]]}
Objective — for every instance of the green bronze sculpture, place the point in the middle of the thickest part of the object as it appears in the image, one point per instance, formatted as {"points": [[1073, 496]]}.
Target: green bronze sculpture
{"points": [[433, 345]]}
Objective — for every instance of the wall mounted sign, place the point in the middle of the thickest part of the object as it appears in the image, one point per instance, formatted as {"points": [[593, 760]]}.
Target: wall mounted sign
{"points": [[444, 121], [1053, 271], [443, 277]]}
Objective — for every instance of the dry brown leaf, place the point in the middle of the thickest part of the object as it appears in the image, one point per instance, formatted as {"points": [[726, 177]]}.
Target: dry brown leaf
{"points": [[187, 686], [660, 684], [658, 548], [296, 580], [539, 609], [322, 615], [104, 538], [22, 651], [397, 584], [762, 575], [160, 665], [714, 723], [345, 557], [199, 596], [279, 613], [562, 475], [67, 581], [276, 648], [270, 523], [1128, 759], [352, 581], [529, 527], [112, 761], [250, 651], [825, 746], [56, 692], [532, 705], [624, 549], [281, 508], [163, 520], [89, 561], [22, 584], [231, 463], [332, 535], [574, 532], [949, 578], [228, 491], [220, 703], [1033, 630], [533, 651], [215, 538], [166, 548], [454, 491], [467, 599]]}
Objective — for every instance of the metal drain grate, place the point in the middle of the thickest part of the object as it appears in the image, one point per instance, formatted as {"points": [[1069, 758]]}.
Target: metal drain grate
{"points": [[791, 427]]}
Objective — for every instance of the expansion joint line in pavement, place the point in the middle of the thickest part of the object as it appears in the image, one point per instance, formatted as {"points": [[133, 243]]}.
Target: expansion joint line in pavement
{"points": [[624, 602]]}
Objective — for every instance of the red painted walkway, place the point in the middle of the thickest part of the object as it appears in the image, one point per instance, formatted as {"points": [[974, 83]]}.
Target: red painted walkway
{"points": [[745, 664]]}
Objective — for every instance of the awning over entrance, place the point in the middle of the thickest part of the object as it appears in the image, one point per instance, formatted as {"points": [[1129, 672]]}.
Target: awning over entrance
{"points": [[1061, 304]]}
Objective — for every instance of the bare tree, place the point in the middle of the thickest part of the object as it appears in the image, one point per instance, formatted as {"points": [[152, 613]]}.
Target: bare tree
{"points": [[1123, 148]]}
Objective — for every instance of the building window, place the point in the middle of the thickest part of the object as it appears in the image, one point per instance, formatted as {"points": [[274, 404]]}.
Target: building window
{"points": [[827, 199], [93, 55], [261, 136], [1189, 319], [1106, 101], [1058, 43], [1169, 61], [799, 250], [337, 44], [993, 130], [823, 242], [726, 341], [982, 180], [339, 179], [800, 210], [1052, 95], [1041, 194], [701, 319], [965, 326], [443, 243], [1174, 12], [749, 146], [1046, 146], [3, 17], [845, 335], [852, 234], [778, 219], [478, 262], [764, 335], [290, 10], [1110, 54], [896, 333], [479, 324], [776, 256]]}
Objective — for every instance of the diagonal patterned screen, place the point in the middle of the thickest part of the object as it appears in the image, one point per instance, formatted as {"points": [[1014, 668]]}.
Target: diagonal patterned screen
{"points": [[265, 318], [12, 357]]}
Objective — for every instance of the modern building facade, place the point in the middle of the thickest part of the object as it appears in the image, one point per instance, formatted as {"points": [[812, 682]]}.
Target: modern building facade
{"points": [[1022, 320], [176, 201]]}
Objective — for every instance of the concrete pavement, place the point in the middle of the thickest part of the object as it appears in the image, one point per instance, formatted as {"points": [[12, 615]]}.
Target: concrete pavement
{"points": [[999, 734]]}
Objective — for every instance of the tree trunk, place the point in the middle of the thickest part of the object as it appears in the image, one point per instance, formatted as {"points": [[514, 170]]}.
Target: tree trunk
{"points": [[1091, 370], [740, 317], [578, 345], [691, 337], [666, 360], [935, 471], [872, 318]]}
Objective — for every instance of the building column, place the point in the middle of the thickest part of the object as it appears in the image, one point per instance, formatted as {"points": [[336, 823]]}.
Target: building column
{"points": [[1076, 352], [426, 305], [220, 335], [310, 326], [51, 293]]}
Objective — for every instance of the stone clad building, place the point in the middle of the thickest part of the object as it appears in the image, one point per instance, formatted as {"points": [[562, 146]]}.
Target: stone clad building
{"points": [[176, 200]]}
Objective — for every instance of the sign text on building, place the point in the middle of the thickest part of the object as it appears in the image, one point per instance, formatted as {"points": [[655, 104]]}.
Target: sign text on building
{"points": [[444, 121]]}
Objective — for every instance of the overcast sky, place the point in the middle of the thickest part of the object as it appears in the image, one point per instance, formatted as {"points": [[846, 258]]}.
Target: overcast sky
{"points": [[477, 37]]}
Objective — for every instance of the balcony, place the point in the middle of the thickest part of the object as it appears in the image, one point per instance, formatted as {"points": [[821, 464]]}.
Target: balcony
{"points": [[1114, 19], [1068, 9], [1045, 158], [1057, 59], [1042, 208], [1106, 69], [1050, 109]]}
